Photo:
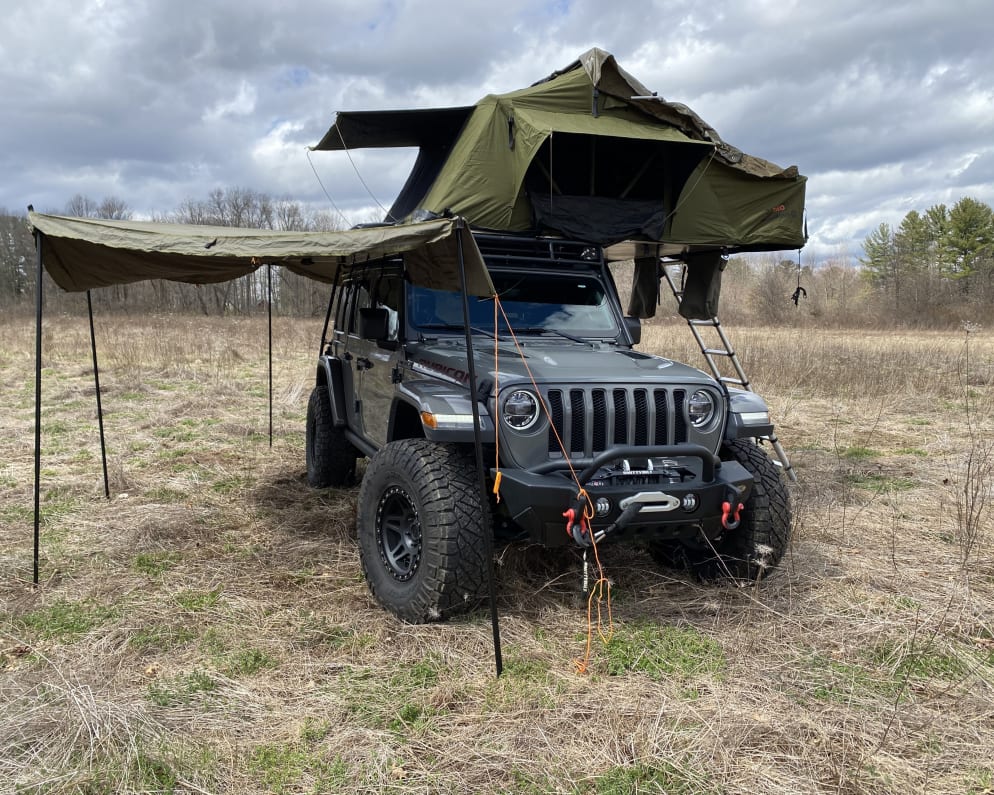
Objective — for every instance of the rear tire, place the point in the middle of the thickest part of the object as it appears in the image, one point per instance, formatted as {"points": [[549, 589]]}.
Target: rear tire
{"points": [[753, 549], [330, 456], [423, 527]]}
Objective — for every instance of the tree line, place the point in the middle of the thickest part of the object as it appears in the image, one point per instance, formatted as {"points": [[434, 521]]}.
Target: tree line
{"points": [[935, 269], [936, 266]]}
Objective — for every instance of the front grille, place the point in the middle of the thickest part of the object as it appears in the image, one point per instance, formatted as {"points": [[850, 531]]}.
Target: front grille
{"points": [[588, 420]]}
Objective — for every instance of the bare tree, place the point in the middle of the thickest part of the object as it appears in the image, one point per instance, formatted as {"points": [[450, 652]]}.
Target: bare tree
{"points": [[81, 206]]}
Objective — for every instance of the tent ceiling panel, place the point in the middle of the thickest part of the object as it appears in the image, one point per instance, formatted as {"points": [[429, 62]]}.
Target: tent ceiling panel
{"points": [[391, 128]]}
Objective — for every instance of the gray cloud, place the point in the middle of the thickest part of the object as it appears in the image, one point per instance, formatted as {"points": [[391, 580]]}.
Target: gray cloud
{"points": [[886, 107]]}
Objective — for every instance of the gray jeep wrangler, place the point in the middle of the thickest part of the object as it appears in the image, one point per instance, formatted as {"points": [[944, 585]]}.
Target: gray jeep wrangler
{"points": [[593, 441]]}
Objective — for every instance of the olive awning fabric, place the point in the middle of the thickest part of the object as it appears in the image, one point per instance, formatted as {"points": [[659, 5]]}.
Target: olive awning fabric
{"points": [[83, 253]]}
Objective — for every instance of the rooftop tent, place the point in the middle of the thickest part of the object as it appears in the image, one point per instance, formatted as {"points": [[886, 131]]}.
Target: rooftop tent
{"points": [[589, 153], [82, 253]]}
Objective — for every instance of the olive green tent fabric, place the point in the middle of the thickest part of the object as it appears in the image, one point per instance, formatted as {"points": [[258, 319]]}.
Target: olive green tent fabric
{"points": [[82, 253], [726, 207], [483, 163], [483, 177]]}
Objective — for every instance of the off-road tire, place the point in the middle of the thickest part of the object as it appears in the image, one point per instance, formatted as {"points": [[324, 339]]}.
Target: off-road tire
{"points": [[330, 456], [422, 527], [754, 548]]}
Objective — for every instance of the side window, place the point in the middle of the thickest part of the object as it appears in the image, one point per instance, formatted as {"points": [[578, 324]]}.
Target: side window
{"points": [[379, 289], [361, 299], [389, 295], [342, 305]]}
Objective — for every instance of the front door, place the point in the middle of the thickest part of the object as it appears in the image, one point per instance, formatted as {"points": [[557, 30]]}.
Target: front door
{"points": [[373, 361]]}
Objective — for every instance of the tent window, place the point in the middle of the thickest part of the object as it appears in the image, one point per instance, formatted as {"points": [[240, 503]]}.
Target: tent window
{"points": [[621, 168]]}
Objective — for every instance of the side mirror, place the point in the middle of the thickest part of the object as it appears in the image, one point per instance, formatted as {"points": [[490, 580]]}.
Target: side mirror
{"points": [[374, 323], [634, 326]]}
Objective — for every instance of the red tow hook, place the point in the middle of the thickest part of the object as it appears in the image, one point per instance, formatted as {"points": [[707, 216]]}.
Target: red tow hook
{"points": [[577, 530], [733, 522]]}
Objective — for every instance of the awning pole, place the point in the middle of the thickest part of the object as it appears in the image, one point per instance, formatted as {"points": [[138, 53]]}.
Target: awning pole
{"points": [[269, 304], [96, 383], [489, 539], [38, 306]]}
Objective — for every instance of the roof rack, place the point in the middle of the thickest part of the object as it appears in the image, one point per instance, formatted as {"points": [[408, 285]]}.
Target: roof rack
{"points": [[514, 248]]}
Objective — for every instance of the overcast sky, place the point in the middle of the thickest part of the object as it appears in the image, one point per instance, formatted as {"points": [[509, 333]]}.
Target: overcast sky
{"points": [[886, 107]]}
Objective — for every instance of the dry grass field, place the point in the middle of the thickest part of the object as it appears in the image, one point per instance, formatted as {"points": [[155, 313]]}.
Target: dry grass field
{"points": [[207, 630]]}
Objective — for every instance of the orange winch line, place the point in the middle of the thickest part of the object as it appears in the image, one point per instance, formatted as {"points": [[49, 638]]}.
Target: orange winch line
{"points": [[602, 586]]}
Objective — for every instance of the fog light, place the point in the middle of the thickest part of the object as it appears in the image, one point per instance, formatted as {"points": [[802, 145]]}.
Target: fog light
{"points": [[690, 502], [602, 506]]}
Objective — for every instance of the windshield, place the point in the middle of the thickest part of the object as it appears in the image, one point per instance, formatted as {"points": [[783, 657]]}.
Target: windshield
{"points": [[533, 302]]}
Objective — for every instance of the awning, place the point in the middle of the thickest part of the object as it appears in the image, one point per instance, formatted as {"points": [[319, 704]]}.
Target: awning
{"points": [[83, 253]]}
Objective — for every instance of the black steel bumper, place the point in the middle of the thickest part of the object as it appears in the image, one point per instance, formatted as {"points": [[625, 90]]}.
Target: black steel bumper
{"points": [[646, 491]]}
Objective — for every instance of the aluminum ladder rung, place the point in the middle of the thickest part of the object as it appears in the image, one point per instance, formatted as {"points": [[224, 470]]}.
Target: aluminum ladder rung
{"points": [[739, 379]]}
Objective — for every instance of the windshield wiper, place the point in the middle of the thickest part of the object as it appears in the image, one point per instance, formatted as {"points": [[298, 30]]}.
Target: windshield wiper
{"points": [[563, 334], [455, 327]]}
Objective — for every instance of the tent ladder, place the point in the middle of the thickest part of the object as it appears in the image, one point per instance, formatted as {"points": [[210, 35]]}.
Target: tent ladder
{"points": [[721, 349]]}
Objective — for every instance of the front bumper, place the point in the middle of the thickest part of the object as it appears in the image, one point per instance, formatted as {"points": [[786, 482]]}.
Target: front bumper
{"points": [[658, 479]]}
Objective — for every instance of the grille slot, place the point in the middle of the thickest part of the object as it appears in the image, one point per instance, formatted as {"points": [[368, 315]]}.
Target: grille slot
{"points": [[578, 421], [589, 420], [641, 417], [660, 404], [680, 431], [599, 420], [555, 402], [620, 416]]}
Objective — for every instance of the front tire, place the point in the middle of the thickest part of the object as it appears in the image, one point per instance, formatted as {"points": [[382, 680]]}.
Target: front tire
{"points": [[423, 527], [330, 456], [754, 548]]}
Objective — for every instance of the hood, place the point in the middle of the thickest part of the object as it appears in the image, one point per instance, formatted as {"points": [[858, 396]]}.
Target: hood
{"points": [[550, 361]]}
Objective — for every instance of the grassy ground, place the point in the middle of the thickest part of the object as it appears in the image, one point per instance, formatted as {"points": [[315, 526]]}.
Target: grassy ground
{"points": [[206, 629]]}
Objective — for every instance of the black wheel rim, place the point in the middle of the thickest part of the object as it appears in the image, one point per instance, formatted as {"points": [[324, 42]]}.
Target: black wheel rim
{"points": [[398, 533]]}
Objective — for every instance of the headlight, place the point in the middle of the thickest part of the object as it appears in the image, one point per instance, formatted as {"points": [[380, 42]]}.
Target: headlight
{"points": [[701, 408], [520, 410]]}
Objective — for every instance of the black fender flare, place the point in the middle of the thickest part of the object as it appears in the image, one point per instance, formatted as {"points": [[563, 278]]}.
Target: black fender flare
{"points": [[331, 374]]}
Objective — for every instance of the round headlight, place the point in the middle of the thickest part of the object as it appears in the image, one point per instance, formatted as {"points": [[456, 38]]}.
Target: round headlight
{"points": [[520, 410], [700, 408]]}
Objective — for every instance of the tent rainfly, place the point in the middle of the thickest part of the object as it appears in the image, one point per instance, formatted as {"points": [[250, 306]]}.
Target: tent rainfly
{"points": [[589, 153]]}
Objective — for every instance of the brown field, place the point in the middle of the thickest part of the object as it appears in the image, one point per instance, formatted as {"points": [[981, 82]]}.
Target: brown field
{"points": [[207, 629]]}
